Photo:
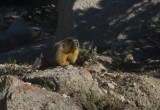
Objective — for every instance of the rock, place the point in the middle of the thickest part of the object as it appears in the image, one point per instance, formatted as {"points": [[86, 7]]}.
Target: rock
{"points": [[122, 36], [134, 84], [105, 59], [14, 69], [105, 91], [95, 66], [114, 75], [18, 95], [87, 75], [23, 31], [20, 32], [129, 58], [110, 85], [64, 95], [157, 74], [118, 96], [143, 102], [69, 80], [141, 90]]}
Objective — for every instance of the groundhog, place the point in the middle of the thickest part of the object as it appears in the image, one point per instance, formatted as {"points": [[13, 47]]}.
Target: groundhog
{"points": [[63, 53]]}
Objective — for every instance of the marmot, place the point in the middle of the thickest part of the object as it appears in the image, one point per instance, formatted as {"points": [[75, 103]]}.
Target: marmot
{"points": [[62, 53]]}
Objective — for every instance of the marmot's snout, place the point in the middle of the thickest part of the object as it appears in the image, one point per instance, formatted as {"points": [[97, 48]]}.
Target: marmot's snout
{"points": [[76, 44]]}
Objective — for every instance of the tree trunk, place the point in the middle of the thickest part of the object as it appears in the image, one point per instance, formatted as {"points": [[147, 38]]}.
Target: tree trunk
{"points": [[65, 19]]}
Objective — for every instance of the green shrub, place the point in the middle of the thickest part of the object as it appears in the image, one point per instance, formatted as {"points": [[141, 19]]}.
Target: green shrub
{"points": [[87, 51]]}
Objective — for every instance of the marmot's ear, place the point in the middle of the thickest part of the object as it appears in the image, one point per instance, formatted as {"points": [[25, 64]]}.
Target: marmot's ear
{"points": [[69, 38]]}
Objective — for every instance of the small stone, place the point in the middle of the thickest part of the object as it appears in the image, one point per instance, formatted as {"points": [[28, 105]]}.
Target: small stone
{"points": [[114, 83], [120, 97], [70, 67], [122, 36], [44, 88], [97, 67], [152, 86], [110, 85], [12, 96], [104, 90], [64, 95], [110, 74], [28, 83], [129, 57], [134, 84], [102, 74]]}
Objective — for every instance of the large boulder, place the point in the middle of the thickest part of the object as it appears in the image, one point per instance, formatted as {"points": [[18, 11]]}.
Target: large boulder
{"points": [[70, 80], [22, 31], [17, 95]]}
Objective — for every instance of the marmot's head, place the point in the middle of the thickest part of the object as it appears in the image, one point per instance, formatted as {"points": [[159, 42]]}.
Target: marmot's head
{"points": [[73, 43]]}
